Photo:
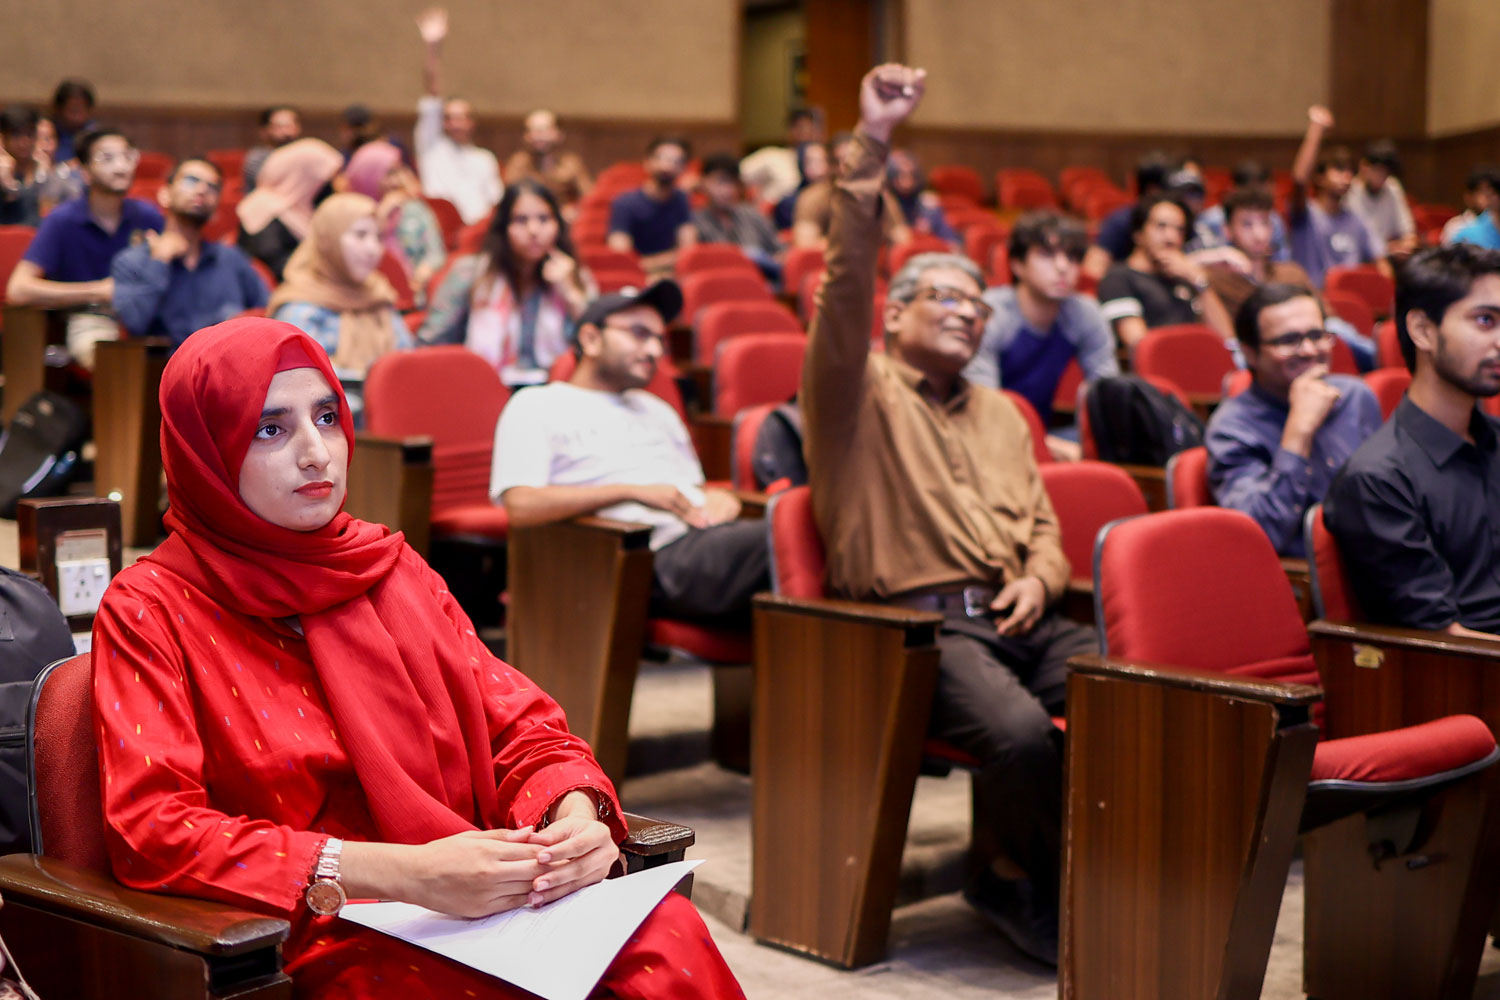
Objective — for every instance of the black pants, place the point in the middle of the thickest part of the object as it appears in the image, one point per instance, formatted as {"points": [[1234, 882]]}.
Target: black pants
{"points": [[710, 574], [996, 696]]}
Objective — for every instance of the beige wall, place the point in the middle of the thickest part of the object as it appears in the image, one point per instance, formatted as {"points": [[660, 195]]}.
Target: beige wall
{"points": [[1463, 89], [661, 59], [1186, 66], [765, 72]]}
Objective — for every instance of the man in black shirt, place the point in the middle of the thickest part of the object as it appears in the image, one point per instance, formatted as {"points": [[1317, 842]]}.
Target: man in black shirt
{"points": [[1158, 284], [1416, 511]]}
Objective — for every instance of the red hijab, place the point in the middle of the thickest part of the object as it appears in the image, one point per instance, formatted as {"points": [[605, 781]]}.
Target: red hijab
{"points": [[402, 689]]}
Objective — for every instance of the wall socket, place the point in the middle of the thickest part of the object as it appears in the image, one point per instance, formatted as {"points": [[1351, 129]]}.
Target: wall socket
{"points": [[81, 584]]}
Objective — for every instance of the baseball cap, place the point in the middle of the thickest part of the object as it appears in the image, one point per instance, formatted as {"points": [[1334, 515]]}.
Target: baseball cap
{"points": [[664, 296]]}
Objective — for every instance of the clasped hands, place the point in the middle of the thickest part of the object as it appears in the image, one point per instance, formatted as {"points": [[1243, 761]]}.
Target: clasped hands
{"points": [[481, 872]]}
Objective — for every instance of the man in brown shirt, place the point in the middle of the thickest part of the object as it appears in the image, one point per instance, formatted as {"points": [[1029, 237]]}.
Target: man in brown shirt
{"points": [[562, 172], [927, 494]]}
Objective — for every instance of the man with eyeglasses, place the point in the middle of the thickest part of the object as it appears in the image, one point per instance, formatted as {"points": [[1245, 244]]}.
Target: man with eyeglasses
{"points": [[175, 282], [67, 264], [1274, 449], [601, 443], [927, 495]]}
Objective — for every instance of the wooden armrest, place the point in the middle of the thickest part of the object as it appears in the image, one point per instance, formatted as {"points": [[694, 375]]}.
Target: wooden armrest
{"points": [[632, 534], [413, 450], [1247, 688], [889, 616], [197, 925], [650, 837], [753, 504], [1421, 640]]}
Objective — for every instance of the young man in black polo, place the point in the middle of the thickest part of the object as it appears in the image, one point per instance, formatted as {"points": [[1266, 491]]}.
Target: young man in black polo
{"points": [[1414, 510]]}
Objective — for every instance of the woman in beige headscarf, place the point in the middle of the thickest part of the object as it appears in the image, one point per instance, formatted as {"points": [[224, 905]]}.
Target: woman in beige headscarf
{"points": [[274, 218], [334, 291]]}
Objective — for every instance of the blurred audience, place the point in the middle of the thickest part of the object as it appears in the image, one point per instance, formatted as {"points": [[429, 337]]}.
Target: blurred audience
{"points": [[451, 165], [774, 172], [541, 158], [408, 227], [279, 125], [67, 264], [335, 292], [514, 302], [23, 172], [1325, 233], [655, 220], [274, 218], [1481, 197], [920, 207], [1378, 198], [728, 218], [176, 282], [814, 210], [72, 115], [813, 166]]}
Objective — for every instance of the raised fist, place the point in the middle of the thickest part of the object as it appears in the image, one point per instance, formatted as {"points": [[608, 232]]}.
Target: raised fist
{"points": [[887, 95]]}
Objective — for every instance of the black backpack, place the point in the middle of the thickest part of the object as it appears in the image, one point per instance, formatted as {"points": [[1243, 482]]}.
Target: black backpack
{"points": [[39, 450], [33, 633], [1136, 423], [778, 448]]}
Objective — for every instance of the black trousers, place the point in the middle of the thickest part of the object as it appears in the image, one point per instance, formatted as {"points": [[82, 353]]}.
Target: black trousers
{"points": [[996, 696], [710, 574]]}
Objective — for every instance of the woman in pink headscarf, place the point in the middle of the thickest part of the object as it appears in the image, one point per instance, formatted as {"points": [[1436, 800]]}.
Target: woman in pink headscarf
{"points": [[409, 229], [275, 217]]}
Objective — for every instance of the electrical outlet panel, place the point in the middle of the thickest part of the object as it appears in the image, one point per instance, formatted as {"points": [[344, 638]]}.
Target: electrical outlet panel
{"points": [[81, 584]]}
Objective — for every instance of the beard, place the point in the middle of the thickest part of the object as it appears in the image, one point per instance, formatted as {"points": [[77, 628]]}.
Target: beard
{"points": [[665, 178], [1475, 383]]}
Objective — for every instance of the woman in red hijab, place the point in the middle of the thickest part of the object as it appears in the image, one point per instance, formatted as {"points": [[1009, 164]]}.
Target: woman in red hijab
{"points": [[292, 708]]}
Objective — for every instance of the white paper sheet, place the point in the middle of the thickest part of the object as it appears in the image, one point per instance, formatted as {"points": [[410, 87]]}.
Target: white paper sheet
{"points": [[558, 952]]}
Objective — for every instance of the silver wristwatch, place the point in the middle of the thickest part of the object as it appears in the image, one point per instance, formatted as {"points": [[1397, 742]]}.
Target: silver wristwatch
{"points": [[325, 890]]}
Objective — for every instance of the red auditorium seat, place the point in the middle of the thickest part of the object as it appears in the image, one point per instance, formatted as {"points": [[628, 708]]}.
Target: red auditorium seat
{"points": [[179, 948], [1333, 598], [919, 243], [471, 237], [1352, 309], [1033, 424], [797, 265], [1389, 386], [449, 220], [1200, 636], [999, 264], [621, 176], [1105, 201], [1365, 282], [13, 243], [723, 320], [614, 279], [395, 272], [713, 256], [1065, 398], [1021, 190], [231, 163], [608, 259], [980, 243], [453, 396], [1187, 479], [756, 368], [746, 428], [1388, 345], [950, 179], [704, 288], [1086, 496], [1194, 357], [152, 166]]}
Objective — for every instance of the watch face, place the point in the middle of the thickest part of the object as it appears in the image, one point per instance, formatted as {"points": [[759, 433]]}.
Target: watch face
{"points": [[325, 897]]}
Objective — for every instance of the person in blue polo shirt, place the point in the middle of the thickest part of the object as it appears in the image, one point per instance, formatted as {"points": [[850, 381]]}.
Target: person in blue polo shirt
{"points": [[67, 264], [655, 220], [175, 282]]}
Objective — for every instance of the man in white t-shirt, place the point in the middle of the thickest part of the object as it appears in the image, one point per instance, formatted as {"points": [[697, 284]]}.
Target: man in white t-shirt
{"points": [[601, 444], [450, 165]]}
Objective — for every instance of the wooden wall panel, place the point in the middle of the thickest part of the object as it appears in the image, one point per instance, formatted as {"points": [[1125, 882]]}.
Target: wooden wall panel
{"points": [[1378, 67], [1463, 91]]}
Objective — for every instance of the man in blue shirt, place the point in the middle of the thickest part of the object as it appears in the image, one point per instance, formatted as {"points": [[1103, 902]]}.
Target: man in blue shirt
{"points": [[67, 264], [1041, 323], [1274, 449], [1483, 231], [175, 283], [655, 220], [1325, 231]]}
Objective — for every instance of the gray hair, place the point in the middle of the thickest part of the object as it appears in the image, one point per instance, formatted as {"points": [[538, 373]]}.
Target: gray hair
{"points": [[903, 286]]}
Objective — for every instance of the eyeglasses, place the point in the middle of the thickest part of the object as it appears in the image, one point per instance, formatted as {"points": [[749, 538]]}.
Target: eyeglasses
{"points": [[1288, 343], [639, 332], [190, 182], [952, 299], [103, 157]]}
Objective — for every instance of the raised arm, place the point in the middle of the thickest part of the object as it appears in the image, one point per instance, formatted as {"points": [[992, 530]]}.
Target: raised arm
{"points": [[839, 341], [1319, 121], [432, 24]]}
